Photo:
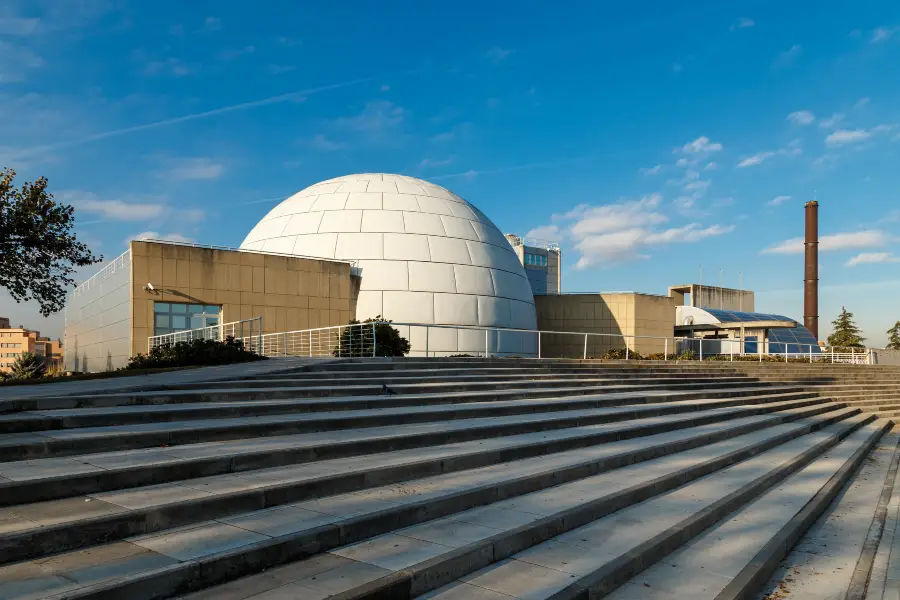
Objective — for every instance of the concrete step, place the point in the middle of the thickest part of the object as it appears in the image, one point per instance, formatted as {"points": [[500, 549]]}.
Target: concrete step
{"points": [[30, 421], [51, 478], [477, 545], [635, 554], [569, 488], [848, 534], [49, 443], [76, 520], [500, 390], [469, 378], [193, 406]]}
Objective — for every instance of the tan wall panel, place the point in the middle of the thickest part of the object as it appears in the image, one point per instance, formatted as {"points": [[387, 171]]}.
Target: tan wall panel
{"points": [[285, 291]]}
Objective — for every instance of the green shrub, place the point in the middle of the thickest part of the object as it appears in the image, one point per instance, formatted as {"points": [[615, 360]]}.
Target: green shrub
{"points": [[661, 356], [195, 353], [461, 356], [357, 341], [619, 354], [686, 355], [28, 366]]}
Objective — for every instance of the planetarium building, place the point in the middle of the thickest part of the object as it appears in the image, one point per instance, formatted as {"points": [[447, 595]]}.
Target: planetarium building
{"points": [[356, 246]]}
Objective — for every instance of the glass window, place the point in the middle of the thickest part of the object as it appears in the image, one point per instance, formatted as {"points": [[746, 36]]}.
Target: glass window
{"points": [[176, 316]]}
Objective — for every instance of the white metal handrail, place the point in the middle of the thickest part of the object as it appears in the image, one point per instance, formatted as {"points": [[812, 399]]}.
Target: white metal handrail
{"points": [[361, 340], [249, 331]]}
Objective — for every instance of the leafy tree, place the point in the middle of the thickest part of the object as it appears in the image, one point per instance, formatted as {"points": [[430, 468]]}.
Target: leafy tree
{"points": [[357, 341], [846, 333], [894, 339], [28, 366], [38, 250]]}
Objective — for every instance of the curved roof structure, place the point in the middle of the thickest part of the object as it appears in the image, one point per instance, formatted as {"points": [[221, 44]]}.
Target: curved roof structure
{"points": [[783, 333], [426, 255]]}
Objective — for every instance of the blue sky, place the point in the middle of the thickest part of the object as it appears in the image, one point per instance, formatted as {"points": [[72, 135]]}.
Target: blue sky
{"points": [[649, 139]]}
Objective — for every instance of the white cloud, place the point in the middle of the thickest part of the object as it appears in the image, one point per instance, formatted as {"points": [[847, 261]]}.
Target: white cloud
{"points": [[210, 24], [384, 88], [231, 54], [792, 149], [545, 232], [194, 169], [801, 117], [835, 241], [711, 166], [624, 231], [682, 162], [320, 142], [610, 217], [701, 145], [433, 162], [497, 54], [777, 200], [787, 58], [832, 122], [699, 185], [861, 102], [872, 258], [677, 67], [378, 118], [756, 159], [651, 170], [279, 69], [847, 136], [15, 62], [882, 34], [742, 23], [130, 208], [171, 66]]}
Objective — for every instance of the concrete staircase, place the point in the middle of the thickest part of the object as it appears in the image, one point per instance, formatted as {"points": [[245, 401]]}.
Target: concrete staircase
{"points": [[438, 478]]}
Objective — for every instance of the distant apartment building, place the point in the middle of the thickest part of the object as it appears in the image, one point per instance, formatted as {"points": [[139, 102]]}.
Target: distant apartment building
{"points": [[16, 340], [542, 260]]}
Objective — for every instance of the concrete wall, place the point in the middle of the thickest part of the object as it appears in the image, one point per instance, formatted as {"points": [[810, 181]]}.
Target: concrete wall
{"points": [[622, 314], [289, 293], [98, 320], [706, 296]]}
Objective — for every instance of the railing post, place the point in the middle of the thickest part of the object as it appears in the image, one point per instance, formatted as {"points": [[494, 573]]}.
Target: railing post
{"points": [[486, 352], [340, 338], [666, 349], [374, 340], [626, 347], [426, 340], [585, 346], [251, 335], [539, 344], [731, 349], [701, 348], [284, 343], [310, 342], [810, 354], [350, 337]]}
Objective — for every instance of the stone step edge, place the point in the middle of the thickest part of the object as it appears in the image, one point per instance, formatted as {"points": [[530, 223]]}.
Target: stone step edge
{"points": [[63, 486], [30, 421], [226, 566], [57, 448], [862, 572], [87, 532], [72, 402], [616, 572], [753, 576]]}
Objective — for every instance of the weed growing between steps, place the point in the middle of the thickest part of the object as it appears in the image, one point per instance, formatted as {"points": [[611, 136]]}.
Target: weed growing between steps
{"points": [[195, 353]]}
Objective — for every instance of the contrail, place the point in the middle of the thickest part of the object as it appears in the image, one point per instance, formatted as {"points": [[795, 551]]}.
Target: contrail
{"points": [[193, 117]]}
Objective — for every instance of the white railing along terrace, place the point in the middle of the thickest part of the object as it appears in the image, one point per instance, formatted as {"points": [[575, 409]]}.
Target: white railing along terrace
{"points": [[249, 331], [361, 339]]}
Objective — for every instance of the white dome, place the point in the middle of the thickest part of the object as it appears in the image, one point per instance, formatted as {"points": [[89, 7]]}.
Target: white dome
{"points": [[425, 254]]}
